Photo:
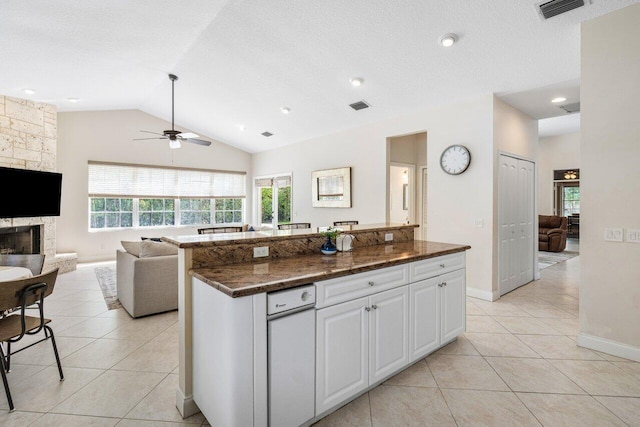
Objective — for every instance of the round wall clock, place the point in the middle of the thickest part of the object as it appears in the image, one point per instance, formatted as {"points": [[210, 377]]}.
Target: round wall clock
{"points": [[455, 159]]}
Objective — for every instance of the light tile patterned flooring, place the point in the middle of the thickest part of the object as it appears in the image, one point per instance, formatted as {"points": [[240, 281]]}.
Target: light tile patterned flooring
{"points": [[517, 365]]}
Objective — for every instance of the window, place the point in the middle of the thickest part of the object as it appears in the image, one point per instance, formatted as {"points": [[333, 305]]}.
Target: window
{"points": [[135, 196], [570, 200], [111, 212]]}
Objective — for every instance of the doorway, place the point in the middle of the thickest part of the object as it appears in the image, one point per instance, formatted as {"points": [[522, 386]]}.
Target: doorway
{"points": [[402, 193], [273, 200]]}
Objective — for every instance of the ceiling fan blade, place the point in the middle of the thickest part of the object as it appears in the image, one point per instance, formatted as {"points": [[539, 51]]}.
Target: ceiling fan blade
{"points": [[198, 141], [188, 135], [155, 133], [144, 139]]}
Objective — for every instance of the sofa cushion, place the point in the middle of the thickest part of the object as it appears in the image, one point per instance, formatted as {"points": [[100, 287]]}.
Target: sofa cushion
{"points": [[149, 248], [132, 247]]}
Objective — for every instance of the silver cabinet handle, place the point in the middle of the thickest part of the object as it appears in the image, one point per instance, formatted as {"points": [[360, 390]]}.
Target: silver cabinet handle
{"points": [[368, 308], [442, 265], [375, 307], [444, 283], [371, 283], [439, 285], [305, 296]]}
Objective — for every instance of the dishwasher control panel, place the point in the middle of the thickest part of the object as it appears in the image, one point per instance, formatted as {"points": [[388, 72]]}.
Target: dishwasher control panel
{"points": [[290, 299]]}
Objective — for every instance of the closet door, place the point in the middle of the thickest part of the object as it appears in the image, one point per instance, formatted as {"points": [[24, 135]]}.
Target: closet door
{"points": [[516, 222]]}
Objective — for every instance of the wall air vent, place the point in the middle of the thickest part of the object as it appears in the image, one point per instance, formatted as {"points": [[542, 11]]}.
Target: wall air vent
{"points": [[267, 134], [360, 105], [571, 108], [553, 8]]}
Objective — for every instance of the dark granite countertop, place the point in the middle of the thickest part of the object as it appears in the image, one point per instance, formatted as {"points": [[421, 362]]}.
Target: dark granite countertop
{"points": [[249, 278], [264, 236]]}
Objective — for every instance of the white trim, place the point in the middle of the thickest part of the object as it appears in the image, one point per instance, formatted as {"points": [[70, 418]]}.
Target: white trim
{"points": [[608, 346], [485, 295]]}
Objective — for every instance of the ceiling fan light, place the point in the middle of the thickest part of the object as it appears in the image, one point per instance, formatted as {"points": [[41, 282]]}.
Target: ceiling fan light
{"points": [[174, 143]]}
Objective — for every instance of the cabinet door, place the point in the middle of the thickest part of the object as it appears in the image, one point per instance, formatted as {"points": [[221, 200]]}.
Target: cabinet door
{"points": [[341, 352], [453, 305], [388, 332], [424, 318]]}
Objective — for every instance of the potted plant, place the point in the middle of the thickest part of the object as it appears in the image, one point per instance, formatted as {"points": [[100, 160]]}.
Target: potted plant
{"points": [[329, 247]]}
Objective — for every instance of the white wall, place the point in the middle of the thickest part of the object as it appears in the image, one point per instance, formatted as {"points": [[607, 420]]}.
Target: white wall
{"points": [[610, 182], [108, 136], [454, 201], [555, 153]]}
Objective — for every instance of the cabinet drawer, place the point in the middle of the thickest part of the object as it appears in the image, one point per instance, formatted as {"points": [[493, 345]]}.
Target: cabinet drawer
{"points": [[431, 267], [334, 291]]}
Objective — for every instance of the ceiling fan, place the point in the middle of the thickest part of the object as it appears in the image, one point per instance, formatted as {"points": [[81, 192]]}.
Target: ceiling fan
{"points": [[175, 137]]}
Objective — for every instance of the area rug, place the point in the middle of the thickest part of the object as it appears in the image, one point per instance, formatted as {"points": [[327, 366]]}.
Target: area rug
{"points": [[547, 259], [107, 279]]}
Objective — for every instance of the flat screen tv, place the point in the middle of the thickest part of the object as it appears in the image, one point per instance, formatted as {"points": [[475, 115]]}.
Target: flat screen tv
{"points": [[28, 193]]}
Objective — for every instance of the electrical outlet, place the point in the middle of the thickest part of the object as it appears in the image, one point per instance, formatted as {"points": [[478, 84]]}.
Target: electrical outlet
{"points": [[633, 235], [261, 251], [388, 237], [613, 234]]}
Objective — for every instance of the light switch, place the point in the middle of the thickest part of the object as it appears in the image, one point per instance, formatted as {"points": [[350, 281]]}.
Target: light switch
{"points": [[613, 234], [633, 235], [478, 222]]}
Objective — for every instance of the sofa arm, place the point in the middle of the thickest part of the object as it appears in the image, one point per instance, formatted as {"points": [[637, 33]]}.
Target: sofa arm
{"points": [[556, 231]]}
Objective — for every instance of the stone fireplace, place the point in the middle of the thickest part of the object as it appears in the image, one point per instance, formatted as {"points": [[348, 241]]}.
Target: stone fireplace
{"points": [[28, 138], [21, 240]]}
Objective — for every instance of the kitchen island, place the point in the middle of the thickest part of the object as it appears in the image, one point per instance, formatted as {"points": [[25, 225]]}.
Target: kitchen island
{"points": [[411, 292]]}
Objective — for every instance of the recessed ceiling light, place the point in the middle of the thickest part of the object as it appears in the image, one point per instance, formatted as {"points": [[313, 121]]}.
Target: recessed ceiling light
{"points": [[448, 40], [356, 81], [558, 99], [285, 110], [72, 99], [29, 91]]}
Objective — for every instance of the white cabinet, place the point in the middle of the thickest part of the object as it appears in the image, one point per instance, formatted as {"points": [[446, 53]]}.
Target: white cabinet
{"points": [[372, 325], [359, 343], [437, 312], [388, 332], [342, 352]]}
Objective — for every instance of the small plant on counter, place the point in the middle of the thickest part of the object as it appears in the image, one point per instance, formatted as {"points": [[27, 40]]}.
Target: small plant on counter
{"points": [[331, 232]]}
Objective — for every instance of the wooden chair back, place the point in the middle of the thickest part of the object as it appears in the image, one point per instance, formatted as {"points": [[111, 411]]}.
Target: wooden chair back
{"points": [[345, 223], [33, 262], [214, 230], [294, 225], [11, 291]]}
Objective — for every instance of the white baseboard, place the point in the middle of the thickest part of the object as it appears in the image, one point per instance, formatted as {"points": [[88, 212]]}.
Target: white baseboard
{"points": [[610, 347], [480, 294], [186, 406]]}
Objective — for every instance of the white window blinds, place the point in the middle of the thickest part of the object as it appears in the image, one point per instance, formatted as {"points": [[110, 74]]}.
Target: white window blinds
{"points": [[141, 181], [282, 181]]}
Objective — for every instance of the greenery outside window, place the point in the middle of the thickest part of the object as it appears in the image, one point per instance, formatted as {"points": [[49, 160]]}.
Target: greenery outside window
{"points": [[195, 211], [228, 211], [156, 212], [111, 213]]}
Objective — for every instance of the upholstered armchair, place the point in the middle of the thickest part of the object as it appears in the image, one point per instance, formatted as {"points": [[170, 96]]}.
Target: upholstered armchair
{"points": [[552, 233]]}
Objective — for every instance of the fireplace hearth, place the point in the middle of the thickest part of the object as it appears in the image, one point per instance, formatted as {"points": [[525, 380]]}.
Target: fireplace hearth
{"points": [[25, 239]]}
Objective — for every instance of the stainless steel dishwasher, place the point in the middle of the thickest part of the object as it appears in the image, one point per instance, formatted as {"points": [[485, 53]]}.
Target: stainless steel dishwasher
{"points": [[291, 324]]}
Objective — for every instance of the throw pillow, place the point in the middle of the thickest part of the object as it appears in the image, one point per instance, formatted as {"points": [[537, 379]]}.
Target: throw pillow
{"points": [[149, 248], [132, 247]]}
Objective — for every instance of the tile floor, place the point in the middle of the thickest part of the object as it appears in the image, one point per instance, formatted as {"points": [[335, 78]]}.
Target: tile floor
{"points": [[517, 365]]}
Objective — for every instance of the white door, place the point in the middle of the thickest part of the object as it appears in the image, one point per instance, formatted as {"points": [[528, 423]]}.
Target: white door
{"points": [[388, 332], [452, 305], [424, 318], [342, 352], [525, 221], [516, 222]]}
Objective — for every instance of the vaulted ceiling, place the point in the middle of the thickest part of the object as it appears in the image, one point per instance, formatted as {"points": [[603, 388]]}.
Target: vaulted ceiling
{"points": [[240, 62]]}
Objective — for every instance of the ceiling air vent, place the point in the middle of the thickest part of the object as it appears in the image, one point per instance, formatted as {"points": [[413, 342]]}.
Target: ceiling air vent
{"points": [[267, 134], [571, 108], [556, 7], [360, 105]]}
